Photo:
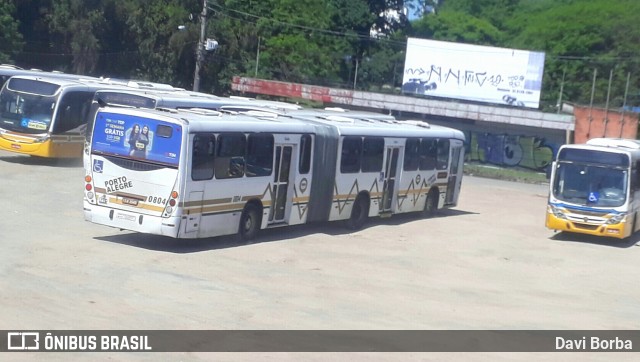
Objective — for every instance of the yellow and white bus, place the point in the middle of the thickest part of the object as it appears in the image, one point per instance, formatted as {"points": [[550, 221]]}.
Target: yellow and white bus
{"points": [[198, 173], [46, 116], [8, 70], [595, 188]]}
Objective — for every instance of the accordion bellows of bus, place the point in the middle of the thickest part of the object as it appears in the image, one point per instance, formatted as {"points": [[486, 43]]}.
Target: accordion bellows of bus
{"points": [[201, 173]]}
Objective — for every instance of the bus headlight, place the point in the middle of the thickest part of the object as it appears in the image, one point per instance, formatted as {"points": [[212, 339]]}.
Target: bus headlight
{"points": [[556, 212], [41, 139], [616, 219]]}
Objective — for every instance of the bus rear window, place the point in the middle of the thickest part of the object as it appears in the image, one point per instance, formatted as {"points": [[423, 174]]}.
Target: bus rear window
{"points": [[164, 131], [126, 99], [141, 138]]}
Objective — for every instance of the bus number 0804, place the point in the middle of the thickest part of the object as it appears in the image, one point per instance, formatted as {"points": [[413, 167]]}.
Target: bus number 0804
{"points": [[156, 200]]}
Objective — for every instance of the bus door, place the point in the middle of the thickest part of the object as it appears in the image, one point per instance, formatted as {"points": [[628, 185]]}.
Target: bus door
{"points": [[194, 214], [195, 180], [389, 195], [282, 176], [455, 172]]}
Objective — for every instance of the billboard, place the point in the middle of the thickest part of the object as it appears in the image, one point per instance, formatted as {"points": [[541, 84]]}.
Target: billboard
{"points": [[137, 137], [473, 72]]}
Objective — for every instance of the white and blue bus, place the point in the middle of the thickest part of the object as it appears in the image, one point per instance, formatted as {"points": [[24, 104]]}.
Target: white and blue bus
{"points": [[201, 173]]}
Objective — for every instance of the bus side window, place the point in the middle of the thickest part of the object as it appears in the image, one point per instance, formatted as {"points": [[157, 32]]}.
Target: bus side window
{"points": [[350, 155], [428, 152], [442, 161], [229, 161], [259, 155], [372, 154], [72, 111], [635, 177], [203, 156], [411, 154], [305, 154]]}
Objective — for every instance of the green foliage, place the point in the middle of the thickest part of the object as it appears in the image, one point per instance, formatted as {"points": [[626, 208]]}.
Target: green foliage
{"points": [[581, 38], [10, 38], [76, 22], [457, 27], [322, 41]]}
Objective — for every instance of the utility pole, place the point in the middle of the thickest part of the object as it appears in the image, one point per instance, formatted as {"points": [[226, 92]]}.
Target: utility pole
{"points": [[355, 77], [200, 47]]}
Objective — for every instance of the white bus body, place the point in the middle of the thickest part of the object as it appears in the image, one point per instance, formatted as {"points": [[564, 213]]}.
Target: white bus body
{"points": [[207, 174], [595, 189]]}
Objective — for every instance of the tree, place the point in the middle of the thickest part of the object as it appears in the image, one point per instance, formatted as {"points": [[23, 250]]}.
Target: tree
{"points": [[578, 38], [76, 22], [456, 26], [10, 39]]}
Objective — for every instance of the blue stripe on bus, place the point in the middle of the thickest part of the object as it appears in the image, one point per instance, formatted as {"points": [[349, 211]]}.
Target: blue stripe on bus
{"points": [[584, 208]]}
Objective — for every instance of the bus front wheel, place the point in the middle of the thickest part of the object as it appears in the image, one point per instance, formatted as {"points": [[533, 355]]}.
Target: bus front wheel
{"points": [[249, 223]]}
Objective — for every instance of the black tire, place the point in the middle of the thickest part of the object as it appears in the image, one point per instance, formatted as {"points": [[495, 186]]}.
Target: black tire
{"points": [[431, 205], [359, 213], [250, 221]]}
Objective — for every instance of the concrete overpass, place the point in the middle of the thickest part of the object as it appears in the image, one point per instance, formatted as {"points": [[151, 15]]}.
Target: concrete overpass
{"points": [[454, 110]]}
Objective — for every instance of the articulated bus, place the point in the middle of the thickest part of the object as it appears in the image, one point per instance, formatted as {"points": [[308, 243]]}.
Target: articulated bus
{"points": [[46, 117], [595, 188], [200, 173], [176, 99]]}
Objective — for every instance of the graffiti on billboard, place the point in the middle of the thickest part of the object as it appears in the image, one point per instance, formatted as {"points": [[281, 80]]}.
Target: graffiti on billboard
{"points": [[510, 150]]}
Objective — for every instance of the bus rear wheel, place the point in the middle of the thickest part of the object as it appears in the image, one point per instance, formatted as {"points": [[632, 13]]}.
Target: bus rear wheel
{"points": [[249, 223], [359, 213], [431, 205]]}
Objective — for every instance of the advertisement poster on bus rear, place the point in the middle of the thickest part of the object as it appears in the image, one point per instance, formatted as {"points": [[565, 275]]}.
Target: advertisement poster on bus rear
{"points": [[137, 137]]}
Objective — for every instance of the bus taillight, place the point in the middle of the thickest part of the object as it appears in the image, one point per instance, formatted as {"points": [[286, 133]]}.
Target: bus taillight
{"points": [[174, 196], [172, 202], [87, 178], [88, 187]]}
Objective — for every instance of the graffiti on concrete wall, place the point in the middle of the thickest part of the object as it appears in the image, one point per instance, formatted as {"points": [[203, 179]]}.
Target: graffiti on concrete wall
{"points": [[510, 150]]}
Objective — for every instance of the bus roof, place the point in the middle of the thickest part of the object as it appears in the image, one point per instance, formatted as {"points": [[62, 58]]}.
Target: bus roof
{"points": [[85, 83], [630, 144], [200, 121]]}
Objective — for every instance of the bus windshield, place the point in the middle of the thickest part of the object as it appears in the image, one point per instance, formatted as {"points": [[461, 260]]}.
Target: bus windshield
{"points": [[591, 185], [26, 113], [140, 138]]}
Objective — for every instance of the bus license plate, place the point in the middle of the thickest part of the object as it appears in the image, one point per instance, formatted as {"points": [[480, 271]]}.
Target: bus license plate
{"points": [[131, 202]]}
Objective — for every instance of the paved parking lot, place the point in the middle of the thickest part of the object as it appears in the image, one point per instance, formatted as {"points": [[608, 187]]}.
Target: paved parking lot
{"points": [[488, 264]]}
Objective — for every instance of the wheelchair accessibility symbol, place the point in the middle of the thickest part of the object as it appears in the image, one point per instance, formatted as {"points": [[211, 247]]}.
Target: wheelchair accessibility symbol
{"points": [[593, 196], [97, 166]]}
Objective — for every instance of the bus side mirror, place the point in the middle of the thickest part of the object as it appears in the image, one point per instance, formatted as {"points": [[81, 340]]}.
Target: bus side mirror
{"points": [[548, 169]]}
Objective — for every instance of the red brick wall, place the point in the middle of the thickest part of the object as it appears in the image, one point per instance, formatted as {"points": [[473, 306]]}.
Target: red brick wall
{"points": [[598, 122]]}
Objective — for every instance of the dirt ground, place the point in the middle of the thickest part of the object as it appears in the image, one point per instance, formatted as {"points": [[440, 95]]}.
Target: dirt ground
{"points": [[487, 264]]}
